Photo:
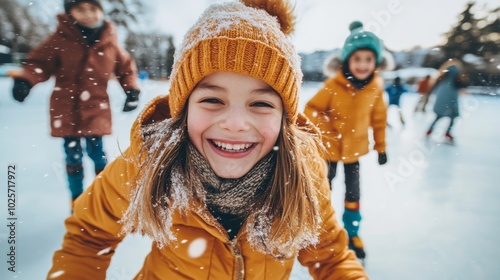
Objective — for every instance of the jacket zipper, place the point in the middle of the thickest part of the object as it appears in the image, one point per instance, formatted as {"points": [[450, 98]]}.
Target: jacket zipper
{"points": [[240, 267], [240, 262]]}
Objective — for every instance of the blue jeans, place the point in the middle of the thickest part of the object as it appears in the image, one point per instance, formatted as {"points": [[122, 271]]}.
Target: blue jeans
{"points": [[74, 160]]}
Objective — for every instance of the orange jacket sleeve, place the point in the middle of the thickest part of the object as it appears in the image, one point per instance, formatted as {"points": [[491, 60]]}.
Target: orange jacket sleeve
{"points": [[379, 122], [331, 258], [317, 108], [318, 112], [92, 232]]}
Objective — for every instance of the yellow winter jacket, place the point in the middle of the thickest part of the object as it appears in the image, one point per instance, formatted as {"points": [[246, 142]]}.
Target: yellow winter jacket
{"points": [[344, 115], [93, 234]]}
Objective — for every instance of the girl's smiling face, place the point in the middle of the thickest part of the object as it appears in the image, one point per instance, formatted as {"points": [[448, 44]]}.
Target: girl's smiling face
{"points": [[87, 14], [362, 64], [234, 121]]}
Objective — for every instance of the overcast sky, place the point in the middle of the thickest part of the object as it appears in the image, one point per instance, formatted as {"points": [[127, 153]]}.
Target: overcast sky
{"points": [[323, 24]]}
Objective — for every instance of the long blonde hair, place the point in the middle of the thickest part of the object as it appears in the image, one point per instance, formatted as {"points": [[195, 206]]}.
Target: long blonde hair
{"points": [[290, 201]]}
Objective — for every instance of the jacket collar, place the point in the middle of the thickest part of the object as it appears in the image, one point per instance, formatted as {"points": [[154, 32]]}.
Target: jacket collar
{"points": [[346, 85]]}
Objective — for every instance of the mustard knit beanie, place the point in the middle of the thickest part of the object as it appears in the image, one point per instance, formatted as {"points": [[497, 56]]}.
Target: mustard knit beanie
{"points": [[246, 37]]}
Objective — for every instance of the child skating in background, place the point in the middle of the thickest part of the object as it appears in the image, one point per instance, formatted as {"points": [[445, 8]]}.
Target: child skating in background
{"points": [[344, 109], [424, 87], [83, 55], [395, 90], [447, 88], [223, 174]]}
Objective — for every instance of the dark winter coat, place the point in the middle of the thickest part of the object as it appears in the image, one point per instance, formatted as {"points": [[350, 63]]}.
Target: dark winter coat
{"points": [[93, 232], [447, 90], [79, 104]]}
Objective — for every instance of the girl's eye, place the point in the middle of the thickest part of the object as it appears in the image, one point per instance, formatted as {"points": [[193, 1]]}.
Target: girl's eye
{"points": [[262, 104], [211, 101]]}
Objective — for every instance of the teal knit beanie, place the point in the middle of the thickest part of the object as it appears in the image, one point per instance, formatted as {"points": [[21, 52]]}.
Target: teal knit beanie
{"points": [[361, 39]]}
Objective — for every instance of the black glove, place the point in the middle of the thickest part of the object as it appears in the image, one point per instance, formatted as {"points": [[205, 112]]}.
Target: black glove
{"points": [[132, 99], [21, 89], [382, 158]]}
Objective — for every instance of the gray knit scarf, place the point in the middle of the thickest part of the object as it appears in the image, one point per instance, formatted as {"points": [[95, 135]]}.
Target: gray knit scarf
{"points": [[232, 196]]}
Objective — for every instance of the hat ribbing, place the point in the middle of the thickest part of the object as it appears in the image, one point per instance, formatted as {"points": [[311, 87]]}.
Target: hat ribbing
{"points": [[232, 37]]}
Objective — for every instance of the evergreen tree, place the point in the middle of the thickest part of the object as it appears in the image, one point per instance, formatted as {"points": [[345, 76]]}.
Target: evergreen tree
{"points": [[469, 36], [151, 52], [20, 29], [464, 37], [125, 12], [491, 34]]}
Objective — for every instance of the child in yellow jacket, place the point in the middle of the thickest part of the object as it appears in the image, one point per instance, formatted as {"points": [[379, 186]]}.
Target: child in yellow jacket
{"points": [[224, 173], [344, 109]]}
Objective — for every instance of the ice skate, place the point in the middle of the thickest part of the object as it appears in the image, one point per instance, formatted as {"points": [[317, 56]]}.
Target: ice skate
{"points": [[356, 244], [428, 133], [449, 139]]}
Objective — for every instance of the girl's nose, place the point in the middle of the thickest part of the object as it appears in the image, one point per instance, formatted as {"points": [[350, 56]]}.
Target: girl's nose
{"points": [[235, 119]]}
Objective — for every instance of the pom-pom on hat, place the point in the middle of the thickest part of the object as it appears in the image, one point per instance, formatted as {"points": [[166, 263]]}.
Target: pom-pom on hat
{"points": [[247, 37], [69, 4], [361, 39]]}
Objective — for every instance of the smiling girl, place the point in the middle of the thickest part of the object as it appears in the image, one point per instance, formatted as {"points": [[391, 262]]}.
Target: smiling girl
{"points": [[223, 174]]}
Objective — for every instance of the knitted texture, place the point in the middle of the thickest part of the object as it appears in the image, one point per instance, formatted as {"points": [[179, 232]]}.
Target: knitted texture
{"points": [[361, 39], [232, 37], [232, 196]]}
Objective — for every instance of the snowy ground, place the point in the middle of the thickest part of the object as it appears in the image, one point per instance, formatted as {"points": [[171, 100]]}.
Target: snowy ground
{"points": [[431, 213]]}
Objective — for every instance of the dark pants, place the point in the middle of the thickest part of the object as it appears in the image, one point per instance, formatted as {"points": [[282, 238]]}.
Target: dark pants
{"points": [[351, 171], [437, 119], [351, 216], [74, 160]]}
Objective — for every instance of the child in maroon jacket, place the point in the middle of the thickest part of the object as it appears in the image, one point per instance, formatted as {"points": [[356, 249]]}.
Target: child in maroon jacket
{"points": [[83, 55]]}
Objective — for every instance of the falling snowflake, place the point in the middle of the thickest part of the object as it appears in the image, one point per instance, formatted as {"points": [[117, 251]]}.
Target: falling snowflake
{"points": [[85, 95], [57, 123], [197, 247], [56, 274], [104, 251]]}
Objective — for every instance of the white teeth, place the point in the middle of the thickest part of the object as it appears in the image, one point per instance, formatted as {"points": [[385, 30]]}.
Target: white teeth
{"points": [[232, 147]]}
